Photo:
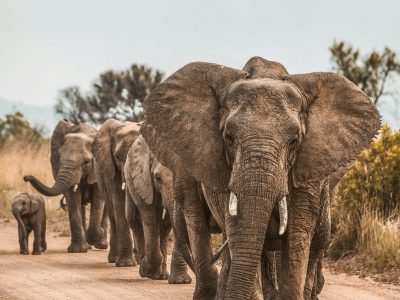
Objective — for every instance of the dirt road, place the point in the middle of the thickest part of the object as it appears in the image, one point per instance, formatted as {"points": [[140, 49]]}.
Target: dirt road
{"points": [[58, 275]]}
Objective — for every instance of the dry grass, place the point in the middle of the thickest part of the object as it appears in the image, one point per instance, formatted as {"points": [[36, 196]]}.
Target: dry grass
{"points": [[377, 248], [380, 240], [17, 159]]}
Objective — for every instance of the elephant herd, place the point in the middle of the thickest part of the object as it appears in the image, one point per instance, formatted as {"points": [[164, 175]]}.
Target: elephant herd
{"points": [[254, 154]]}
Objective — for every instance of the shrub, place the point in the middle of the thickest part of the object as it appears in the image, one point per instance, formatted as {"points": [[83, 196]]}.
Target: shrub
{"points": [[365, 213]]}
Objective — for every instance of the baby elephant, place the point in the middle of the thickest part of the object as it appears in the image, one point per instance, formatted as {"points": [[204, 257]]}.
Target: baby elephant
{"points": [[29, 211]]}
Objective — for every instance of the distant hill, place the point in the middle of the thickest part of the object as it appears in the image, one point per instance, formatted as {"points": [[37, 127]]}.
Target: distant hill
{"points": [[41, 115]]}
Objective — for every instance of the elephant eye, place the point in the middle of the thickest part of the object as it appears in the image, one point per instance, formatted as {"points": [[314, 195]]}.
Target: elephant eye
{"points": [[158, 177], [229, 138], [294, 140], [23, 202]]}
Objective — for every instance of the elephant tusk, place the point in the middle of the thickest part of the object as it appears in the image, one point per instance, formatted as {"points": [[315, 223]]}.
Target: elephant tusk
{"points": [[75, 188], [283, 215], [163, 213], [123, 186], [233, 204]]}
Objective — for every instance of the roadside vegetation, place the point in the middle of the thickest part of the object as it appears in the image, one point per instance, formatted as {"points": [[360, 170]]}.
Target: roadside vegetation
{"points": [[366, 215]]}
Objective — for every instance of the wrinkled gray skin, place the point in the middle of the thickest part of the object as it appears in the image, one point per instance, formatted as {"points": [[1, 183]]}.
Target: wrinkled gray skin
{"points": [[260, 134], [72, 166], [149, 209], [110, 148], [30, 213]]}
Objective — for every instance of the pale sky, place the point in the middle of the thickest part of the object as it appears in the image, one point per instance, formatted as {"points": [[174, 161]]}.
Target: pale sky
{"points": [[46, 45]]}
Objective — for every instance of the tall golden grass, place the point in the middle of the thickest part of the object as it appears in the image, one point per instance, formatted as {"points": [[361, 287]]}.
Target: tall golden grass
{"points": [[19, 158], [379, 240]]}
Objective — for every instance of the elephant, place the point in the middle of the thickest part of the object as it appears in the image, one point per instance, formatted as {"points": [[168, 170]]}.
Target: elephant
{"points": [[150, 211], [110, 148], [30, 212], [263, 144], [72, 166]]}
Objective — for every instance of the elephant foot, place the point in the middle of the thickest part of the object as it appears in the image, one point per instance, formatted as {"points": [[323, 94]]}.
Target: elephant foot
{"points": [[137, 257], [149, 271], [36, 252], [101, 245], [203, 294], [77, 248], [126, 262], [112, 259], [272, 295], [44, 246], [24, 251], [164, 275], [181, 278]]}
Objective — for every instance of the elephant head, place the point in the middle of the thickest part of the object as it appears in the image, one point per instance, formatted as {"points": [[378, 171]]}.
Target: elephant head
{"points": [[254, 133], [111, 146], [71, 158]]}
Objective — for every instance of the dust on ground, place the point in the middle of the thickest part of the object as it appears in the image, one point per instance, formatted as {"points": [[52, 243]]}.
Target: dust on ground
{"points": [[59, 275]]}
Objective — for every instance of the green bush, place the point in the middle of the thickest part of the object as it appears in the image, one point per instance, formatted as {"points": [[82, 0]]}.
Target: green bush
{"points": [[370, 187], [15, 127]]}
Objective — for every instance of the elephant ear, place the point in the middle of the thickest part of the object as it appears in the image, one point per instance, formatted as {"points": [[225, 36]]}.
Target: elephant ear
{"points": [[57, 140], [33, 203], [138, 170], [340, 121], [181, 124], [258, 67], [102, 148]]}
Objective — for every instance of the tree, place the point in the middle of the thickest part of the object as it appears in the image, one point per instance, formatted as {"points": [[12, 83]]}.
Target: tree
{"points": [[369, 73], [16, 127], [72, 105], [115, 94]]}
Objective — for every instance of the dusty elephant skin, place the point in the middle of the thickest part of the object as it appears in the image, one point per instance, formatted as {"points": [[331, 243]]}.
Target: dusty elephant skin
{"points": [[72, 166], [30, 213], [110, 148], [262, 135], [149, 210]]}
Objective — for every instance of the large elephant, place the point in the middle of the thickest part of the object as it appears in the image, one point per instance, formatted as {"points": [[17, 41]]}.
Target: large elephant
{"points": [[72, 166], [150, 209], [255, 138], [110, 148]]}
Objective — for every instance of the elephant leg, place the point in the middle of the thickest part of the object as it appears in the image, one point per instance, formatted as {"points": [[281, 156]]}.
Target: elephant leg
{"points": [[125, 250], [320, 241], [97, 230], [151, 263], [134, 220], [23, 240], [43, 238], [186, 194], [179, 270], [113, 254], [223, 274], [84, 224], [304, 211], [78, 241], [319, 280], [269, 275], [165, 230], [37, 240], [179, 264], [104, 225]]}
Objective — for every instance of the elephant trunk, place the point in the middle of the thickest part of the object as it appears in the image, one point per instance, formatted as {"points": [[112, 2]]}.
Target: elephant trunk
{"points": [[16, 213], [255, 183], [64, 180]]}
